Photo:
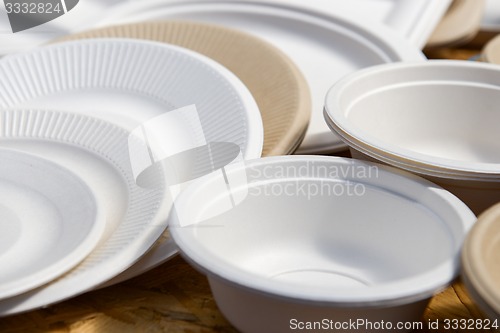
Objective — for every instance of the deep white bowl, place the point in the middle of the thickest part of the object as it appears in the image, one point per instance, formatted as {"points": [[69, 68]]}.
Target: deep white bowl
{"points": [[438, 119], [307, 238]]}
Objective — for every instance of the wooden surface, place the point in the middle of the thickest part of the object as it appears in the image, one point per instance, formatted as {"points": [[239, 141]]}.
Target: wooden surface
{"points": [[175, 298]]}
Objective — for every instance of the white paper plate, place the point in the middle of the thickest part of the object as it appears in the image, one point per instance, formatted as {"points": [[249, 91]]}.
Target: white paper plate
{"points": [[97, 152], [325, 47], [128, 82], [83, 16], [49, 221]]}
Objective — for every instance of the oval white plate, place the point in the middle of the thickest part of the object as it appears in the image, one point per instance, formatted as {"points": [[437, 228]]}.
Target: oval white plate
{"points": [[96, 151], [49, 221], [324, 47]]}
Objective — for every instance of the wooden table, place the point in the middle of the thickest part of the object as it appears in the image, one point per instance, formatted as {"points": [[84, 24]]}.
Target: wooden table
{"points": [[175, 298]]}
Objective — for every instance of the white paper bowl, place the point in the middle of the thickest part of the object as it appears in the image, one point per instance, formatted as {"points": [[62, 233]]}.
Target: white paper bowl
{"points": [[439, 119], [310, 238]]}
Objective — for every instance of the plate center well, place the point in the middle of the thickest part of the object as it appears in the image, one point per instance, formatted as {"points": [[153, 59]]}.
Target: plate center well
{"points": [[30, 224], [107, 104], [10, 228]]}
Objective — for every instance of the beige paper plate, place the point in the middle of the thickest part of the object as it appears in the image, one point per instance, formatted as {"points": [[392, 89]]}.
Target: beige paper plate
{"points": [[459, 25], [277, 85], [491, 51], [481, 262]]}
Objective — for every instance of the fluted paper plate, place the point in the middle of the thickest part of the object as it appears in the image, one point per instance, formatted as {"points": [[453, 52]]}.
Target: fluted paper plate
{"points": [[129, 82], [275, 82], [97, 152], [50, 221]]}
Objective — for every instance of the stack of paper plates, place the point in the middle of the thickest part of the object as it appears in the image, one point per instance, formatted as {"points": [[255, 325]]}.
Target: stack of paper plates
{"points": [[108, 110]]}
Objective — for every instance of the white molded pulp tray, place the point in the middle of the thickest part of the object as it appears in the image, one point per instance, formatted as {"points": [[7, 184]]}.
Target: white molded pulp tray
{"points": [[324, 46]]}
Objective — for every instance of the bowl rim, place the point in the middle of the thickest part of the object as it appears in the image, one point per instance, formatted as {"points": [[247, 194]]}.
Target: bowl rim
{"points": [[339, 122], [404, 291], [421, 170]]}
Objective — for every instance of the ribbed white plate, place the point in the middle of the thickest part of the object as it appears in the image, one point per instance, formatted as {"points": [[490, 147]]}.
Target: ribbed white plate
{"points": [[49, 221], [324, 46], [97, 152], [128, 82]]}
